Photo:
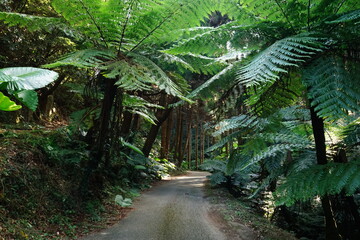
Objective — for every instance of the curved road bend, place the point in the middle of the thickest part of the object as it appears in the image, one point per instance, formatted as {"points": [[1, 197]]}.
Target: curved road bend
{"points": [[174, 210]]}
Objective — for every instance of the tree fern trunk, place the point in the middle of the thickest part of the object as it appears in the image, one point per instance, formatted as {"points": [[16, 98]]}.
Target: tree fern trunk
{"points": [[98, 150], [332, 232]]}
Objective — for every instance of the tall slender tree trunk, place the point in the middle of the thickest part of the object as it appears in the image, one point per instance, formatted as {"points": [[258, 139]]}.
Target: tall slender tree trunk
{"points": [[98, 150], [149, 142], [332, 232], [202, 144], [164, 140], [189, 152], [179, 138], [187, 141], [197, 144]]}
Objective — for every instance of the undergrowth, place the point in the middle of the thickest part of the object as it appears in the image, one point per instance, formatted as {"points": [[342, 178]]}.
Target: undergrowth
{"points": [[40, 173]]}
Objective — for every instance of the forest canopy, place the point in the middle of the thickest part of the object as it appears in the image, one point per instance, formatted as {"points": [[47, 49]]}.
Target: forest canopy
{"points": [[263, 94]]}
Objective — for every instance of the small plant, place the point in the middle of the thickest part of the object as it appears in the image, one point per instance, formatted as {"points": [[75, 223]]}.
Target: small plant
{"points": [[123, 202]]}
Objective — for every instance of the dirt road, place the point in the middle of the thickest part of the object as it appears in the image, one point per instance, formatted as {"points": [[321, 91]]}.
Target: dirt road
{"points": [[174, 210]]}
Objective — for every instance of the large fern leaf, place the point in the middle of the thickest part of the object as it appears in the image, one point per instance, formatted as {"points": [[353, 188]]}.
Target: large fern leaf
{"points": [[319, 180], [333, 87], [285, 53], [86, 58], [347, 17]]}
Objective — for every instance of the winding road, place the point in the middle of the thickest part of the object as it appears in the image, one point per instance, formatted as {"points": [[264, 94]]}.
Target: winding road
{"points": [[173, 210]]}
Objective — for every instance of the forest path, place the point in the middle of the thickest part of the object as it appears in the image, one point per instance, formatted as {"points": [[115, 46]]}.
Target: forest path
{"points": [[173, 210]]}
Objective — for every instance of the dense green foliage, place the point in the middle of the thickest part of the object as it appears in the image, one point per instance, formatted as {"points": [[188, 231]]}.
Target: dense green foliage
{"points": [[275, 83]]}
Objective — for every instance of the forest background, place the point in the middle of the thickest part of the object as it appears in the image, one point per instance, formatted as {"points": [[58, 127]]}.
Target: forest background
{"points": [[99, 98]]}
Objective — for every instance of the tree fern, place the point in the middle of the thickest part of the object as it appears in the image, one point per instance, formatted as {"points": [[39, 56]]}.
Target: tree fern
{"points": [[86, 58], [347, 17], [333, 87], [351, 133], [319, 180], [285, 53]]}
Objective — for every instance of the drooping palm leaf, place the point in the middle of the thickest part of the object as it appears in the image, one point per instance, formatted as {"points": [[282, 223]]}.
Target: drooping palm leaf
{"points": [[285, 53], [333, 87]]}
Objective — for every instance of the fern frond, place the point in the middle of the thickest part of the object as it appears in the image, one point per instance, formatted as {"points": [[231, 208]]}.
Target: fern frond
{"points": [[285, 53], [269, 97], [31, 23], [333, 87], [212, 81], [223, 141], [212, 42], [87, 58], [347, 17], [351, 133], [159, 76], [213, 165], [331, 178], [241, 121]]}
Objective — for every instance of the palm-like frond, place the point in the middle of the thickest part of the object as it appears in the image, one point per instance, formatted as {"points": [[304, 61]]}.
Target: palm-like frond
{"points": [[331, 178], [140, 106], [86, 58], [285, 53], [267, 98], [347, 17], [32, 23], [351, 133], [333, 87]]}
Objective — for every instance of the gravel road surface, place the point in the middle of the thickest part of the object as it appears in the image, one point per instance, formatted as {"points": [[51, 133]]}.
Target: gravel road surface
{"points": [[173, 210]]}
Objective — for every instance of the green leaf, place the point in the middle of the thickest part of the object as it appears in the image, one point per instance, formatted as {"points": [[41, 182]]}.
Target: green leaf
{"points": [[6, 104], [28, 97], [129, 145], [27, 78], [124, 202]]}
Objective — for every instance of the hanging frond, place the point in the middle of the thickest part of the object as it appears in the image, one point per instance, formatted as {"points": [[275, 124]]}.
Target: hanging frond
{"points": [[212, 42], [268, 97], [212, 81], [241, 121], [162, 81], [319, 180], [33, 23], [333, 87], [351, 133], [223, 141], [140, 106], [285, 53], [347, 17], [87, 58]]}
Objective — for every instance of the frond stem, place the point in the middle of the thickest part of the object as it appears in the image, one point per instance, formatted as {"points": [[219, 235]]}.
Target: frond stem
{"points": [[93, 20], [128, 15], [339, 7], [154, 29], [308, 17], [286, 17]]}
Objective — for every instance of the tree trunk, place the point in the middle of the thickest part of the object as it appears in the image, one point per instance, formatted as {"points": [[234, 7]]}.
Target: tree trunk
{"points": [[154, 131], [196, 144], [331, 230], [179, 139], [98, 150]]}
